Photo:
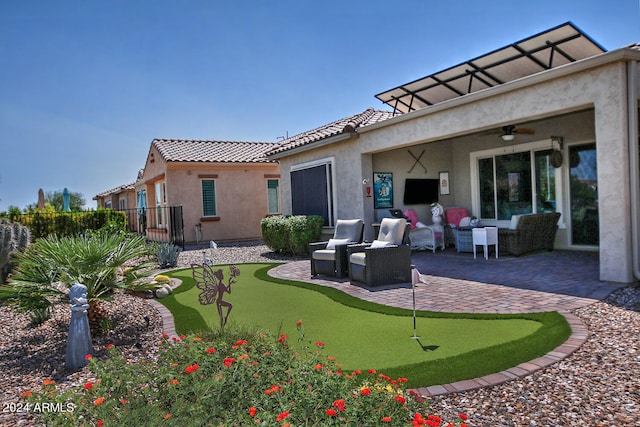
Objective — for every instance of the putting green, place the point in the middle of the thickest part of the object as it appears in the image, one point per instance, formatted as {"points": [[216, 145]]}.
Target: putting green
{"points": [[359, 339]]}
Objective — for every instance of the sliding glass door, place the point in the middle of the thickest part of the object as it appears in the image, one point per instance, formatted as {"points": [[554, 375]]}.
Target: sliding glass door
{"points": [[583, 185]]}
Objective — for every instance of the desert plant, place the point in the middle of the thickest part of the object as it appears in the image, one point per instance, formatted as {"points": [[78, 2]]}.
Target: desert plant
{"points": [[94, 261], [161, 278], [31, 298], [167, 255], [13, 237]]}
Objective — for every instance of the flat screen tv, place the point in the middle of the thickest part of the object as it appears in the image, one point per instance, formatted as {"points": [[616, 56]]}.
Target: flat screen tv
{"points": [[420, 191]]}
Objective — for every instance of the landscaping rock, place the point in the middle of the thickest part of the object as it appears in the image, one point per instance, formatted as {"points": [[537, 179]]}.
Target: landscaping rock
{"points": [[163, 291], [596, 386]]}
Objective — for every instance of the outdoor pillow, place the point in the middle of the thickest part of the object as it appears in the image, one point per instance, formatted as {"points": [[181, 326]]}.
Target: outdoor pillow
{"points": [[380, 244], [514, 222], [333, 242]]}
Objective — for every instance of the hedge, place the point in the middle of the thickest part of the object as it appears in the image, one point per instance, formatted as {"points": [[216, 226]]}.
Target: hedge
{"points": [[291, 234]]}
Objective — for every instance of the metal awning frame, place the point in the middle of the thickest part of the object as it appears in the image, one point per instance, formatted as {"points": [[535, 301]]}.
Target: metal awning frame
{"points": [[405, 97]]}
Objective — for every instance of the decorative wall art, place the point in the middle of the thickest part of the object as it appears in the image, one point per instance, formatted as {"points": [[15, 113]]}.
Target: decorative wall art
{"points": [[444, 183], [383, 190]]}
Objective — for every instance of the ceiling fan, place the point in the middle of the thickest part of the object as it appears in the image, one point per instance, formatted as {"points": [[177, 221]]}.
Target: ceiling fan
{"points": [[509, 132]]}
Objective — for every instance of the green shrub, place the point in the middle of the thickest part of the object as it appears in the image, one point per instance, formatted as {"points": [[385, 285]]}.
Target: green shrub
{"points": [[46, 223], [304, 230], [275, 233], [291, 234], [93, 260], [235, 378]]}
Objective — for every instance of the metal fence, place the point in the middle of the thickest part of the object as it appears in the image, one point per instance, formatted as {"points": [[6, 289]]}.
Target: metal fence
{"points": [[161, 224]]}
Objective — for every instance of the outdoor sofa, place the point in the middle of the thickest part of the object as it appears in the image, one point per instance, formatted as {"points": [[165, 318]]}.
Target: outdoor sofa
{"points": [[528, 233]]}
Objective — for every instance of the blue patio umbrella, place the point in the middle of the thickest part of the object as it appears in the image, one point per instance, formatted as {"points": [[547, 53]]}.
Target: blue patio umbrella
{"points": [[65, 199], [142, 202]]}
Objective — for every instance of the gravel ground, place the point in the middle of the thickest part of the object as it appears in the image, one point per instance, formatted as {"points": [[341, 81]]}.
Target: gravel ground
{"points": [[598, 385]]}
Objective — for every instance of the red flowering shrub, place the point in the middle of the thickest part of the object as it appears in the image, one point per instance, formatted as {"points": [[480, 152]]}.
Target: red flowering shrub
{"points": [[242, 379]]}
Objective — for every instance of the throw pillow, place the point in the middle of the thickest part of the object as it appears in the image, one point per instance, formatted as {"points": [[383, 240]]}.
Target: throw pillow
{"points": [[333, 242], [380, 244], [514, 222]]}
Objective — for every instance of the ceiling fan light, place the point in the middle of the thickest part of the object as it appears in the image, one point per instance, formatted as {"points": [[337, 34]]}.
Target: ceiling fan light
{"points": [[508, 137]]}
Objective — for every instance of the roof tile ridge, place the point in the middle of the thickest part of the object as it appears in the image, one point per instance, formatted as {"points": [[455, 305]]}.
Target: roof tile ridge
{"points": [[357, 120], [218, 141]]}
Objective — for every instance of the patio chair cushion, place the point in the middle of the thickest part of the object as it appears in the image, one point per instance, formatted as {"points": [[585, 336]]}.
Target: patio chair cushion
{"points": [[325, 254], [513, 225], [412, 216], [380, 244], [358, 258], [333, 242], [454, 215], [350, 229], [392, 230]]}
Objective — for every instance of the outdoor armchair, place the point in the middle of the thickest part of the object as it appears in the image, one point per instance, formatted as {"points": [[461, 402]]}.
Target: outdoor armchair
{"points": [[452, 217], [386, 260], [330, 258]]}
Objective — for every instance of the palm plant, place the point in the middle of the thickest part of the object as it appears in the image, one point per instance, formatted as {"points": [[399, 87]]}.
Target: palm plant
{"points": [[96, 260]]}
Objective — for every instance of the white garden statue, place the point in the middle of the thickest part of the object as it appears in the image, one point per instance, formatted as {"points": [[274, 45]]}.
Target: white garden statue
{"points": [[436, 213]]}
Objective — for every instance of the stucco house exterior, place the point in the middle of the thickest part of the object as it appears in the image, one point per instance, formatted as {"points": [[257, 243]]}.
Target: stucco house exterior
{"points": [[224, 188], [557, 91], [121, 197]]}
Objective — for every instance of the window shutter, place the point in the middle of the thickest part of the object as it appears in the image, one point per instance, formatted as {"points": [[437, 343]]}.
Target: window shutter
{"points": [[208, 197]]}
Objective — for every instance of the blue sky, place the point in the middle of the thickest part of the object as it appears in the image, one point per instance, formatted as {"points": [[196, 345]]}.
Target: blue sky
{"points": [[85, 86]]}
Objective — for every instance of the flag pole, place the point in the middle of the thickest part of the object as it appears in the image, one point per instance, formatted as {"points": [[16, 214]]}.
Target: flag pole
{"points": [[413, 289]]}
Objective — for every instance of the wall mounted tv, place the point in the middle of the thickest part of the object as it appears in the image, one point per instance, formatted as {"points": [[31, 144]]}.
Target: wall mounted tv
{"points": [[420, 191]]}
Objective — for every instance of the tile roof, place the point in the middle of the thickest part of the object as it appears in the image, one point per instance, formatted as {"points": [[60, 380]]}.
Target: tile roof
{"points": [[116, 190], [187, 150], [341, 126]]}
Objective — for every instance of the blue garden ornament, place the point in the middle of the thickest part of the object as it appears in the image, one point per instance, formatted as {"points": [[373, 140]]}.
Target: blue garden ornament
{"points": [[66, 198], [79, 343]]}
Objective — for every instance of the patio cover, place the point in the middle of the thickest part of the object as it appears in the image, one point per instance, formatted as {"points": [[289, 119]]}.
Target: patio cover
{"points": [[549, 49]]}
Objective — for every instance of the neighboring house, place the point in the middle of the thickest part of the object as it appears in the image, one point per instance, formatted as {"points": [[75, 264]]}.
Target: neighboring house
{"points": [[120, 198], [224, 188], [555, 91]]}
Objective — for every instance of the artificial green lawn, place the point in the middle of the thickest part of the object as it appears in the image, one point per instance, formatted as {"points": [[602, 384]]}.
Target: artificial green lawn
{"points": [[364, 335]]}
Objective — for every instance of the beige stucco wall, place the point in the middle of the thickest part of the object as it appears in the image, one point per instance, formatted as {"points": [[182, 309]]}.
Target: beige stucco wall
{"points": [[241, 195], [583, 107], [241, 198]]}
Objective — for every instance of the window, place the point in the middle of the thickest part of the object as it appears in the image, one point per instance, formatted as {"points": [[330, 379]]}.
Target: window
{"points": [[312, 190], [514, 183], [545, 182], [161, 201], [123, 203], [583, 186], [273, 196], [208, 197]]}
